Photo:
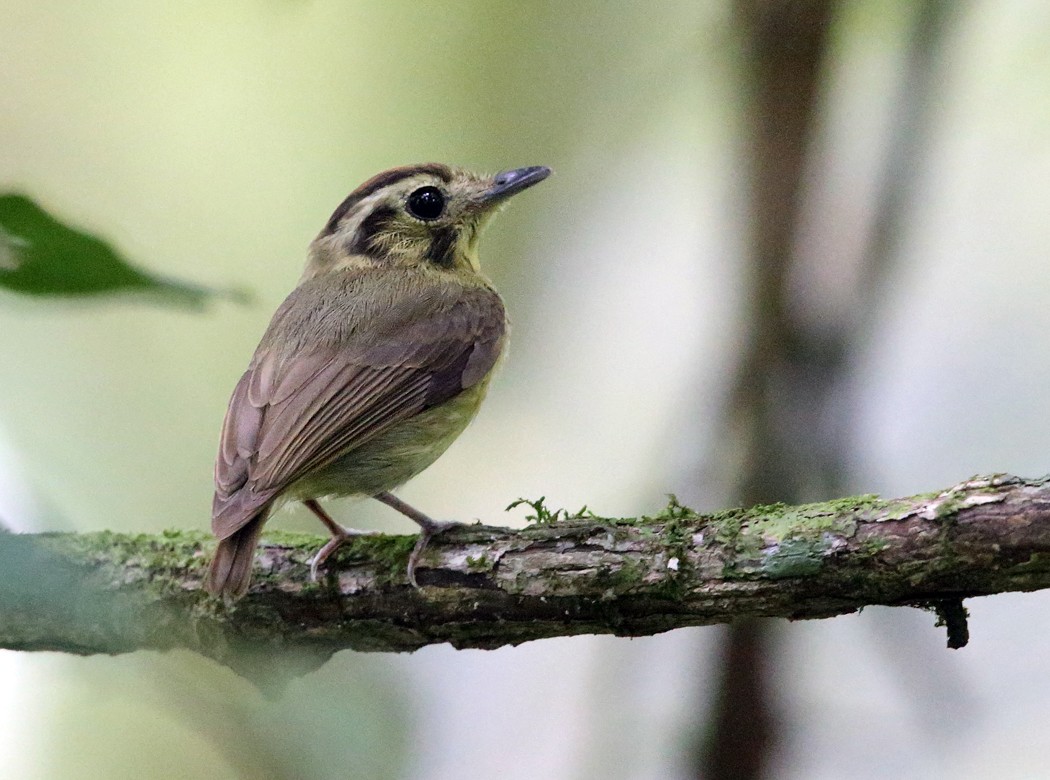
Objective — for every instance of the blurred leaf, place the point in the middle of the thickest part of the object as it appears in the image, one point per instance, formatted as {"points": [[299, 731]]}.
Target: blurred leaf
{"points": [[39, 255]]}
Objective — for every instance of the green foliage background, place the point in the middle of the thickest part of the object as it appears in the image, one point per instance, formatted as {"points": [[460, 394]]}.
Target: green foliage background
{"points": [[208, 142]]}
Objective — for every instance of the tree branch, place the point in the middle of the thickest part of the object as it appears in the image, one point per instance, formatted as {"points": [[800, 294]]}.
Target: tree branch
{"points": [[485, 587]]}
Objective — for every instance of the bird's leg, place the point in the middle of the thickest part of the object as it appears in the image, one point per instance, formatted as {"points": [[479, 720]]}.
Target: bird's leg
{"points": [[339, 535], [428, 529]]}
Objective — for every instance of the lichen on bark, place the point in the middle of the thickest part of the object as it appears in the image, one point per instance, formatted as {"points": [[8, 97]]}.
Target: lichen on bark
{"points": [[484, 586]]}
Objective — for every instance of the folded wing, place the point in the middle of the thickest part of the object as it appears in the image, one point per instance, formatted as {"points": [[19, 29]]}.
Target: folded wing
{"points": [[294, 412]]}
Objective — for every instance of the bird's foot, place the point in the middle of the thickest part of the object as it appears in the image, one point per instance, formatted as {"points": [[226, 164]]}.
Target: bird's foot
{"points": [[338, 538], [428, 530]]}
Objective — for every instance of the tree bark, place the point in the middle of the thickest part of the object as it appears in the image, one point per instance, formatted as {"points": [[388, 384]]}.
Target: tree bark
{"points": [[485, 587]]}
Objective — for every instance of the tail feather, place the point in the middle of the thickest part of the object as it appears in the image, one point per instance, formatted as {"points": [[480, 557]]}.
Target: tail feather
{"points": [[231, 568]]}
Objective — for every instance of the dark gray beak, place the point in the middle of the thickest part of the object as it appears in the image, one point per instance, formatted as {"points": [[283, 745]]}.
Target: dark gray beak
{"points": [[512, 182]]}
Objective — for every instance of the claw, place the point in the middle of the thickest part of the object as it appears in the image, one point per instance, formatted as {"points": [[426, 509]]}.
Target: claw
{"points": [[429, 526], [333, 544], [427, 532]]}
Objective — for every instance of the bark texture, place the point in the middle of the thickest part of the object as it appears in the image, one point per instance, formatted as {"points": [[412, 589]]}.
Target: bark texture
{"points": [[484, 587]]}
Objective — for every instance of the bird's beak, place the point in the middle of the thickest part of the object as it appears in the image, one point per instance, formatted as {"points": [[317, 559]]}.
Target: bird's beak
{"points": [[512, 182]]}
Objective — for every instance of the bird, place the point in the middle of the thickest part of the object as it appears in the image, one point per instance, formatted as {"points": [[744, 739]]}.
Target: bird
{"points": [[371, 367]]}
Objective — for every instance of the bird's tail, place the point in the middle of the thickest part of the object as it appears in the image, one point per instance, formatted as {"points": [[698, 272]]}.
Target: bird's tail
{"points": [[231, 568]]}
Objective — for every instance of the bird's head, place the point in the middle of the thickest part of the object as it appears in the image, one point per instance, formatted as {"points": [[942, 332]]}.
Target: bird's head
{"points": [[415, 215]]}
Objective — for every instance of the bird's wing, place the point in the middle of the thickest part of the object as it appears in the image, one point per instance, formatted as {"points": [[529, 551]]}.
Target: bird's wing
{"points": [[291, 415]]}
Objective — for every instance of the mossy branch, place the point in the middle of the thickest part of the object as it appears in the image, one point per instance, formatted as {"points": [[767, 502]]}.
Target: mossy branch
{"points": [[485, 587]]}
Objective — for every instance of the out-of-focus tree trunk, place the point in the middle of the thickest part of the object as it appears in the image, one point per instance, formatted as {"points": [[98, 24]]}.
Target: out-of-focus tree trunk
{"points": [[784, 47], [785, 413]]}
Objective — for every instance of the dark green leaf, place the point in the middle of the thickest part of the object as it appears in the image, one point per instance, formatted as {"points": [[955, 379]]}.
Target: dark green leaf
{"points": [[39, 255]]}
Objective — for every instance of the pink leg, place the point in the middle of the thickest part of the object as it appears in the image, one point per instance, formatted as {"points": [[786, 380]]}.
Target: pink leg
{"points": [[429, 528], [339, 535]]}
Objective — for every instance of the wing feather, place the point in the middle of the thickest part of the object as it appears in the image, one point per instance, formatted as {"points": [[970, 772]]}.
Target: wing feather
{"points": [[298, 410]]}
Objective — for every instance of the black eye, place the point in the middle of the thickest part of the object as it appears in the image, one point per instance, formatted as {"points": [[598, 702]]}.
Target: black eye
{"points": [[426, 203]]}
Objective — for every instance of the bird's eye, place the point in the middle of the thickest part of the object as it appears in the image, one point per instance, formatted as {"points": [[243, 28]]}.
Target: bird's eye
{"points": [[426, 203]]}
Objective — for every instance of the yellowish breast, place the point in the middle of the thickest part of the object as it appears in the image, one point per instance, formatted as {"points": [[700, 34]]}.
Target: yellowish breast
{"points": [[396, 455]]}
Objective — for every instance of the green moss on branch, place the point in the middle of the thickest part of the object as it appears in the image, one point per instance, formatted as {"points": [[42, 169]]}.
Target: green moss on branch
{"points": [[486, 587]]}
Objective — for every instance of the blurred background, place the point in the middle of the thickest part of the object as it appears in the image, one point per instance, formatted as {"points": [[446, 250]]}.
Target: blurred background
{"points": [[792, 250]]}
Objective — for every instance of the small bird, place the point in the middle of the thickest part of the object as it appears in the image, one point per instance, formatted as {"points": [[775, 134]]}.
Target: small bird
{"points": [[371, 367]]}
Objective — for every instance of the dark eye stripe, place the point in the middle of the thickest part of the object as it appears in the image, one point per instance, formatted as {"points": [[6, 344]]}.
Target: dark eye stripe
{"points": [[378, 182], [377, 222], [442, 249]]}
